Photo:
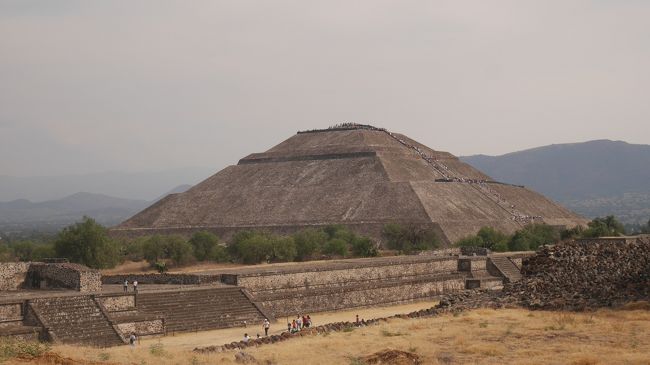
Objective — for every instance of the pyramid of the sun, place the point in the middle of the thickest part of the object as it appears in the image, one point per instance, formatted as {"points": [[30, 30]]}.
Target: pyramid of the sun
{"points": [[359, 176]]}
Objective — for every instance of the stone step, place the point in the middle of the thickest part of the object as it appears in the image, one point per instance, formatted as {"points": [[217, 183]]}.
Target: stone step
{"points": [[507, 268], [77, 320]]}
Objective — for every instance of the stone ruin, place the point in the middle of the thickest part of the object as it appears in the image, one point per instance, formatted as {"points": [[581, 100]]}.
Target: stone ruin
{"points": [[355, 175], [212, 300], [574, 275]]}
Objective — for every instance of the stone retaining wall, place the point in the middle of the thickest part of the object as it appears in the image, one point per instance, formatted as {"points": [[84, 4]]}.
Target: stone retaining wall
{"points": [[286, 281], [69, 276], [144, 328], [361, 295], [117, 303], [177, 279], [13, 275], [11, 311]]}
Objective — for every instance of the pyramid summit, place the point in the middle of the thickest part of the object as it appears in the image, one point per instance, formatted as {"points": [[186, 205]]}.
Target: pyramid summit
{"points": [[351, 174]]}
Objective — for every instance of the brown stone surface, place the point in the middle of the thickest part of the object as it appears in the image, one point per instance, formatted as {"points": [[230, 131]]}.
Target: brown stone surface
{"points": [[585, 274], [360, 177], [13, 275]]}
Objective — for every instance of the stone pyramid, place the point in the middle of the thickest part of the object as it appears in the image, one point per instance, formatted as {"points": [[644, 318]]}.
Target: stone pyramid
{"points": [[356, 175]]}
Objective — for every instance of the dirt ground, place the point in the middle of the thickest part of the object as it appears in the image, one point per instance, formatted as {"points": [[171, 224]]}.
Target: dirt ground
{"points": [[507, 336]]}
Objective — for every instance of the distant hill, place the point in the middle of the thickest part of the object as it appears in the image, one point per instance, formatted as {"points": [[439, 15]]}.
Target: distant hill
{"points": [[130, 185], [23, 215], [593, 178], [105, 209]]}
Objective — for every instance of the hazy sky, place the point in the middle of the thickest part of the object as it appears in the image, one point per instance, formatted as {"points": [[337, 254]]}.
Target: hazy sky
{"points": [[90, 86]]}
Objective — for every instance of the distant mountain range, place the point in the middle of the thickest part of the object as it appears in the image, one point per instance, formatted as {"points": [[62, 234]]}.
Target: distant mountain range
{"points": [[23, 215], [128, 185], [594, 178]]}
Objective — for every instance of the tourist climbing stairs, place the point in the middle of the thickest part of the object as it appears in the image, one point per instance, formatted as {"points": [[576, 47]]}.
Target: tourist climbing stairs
{"points": [[510, 272], [76, 320]]}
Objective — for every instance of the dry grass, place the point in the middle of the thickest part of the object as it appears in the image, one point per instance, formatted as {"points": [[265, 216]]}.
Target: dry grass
{"points": [[509, 336]]}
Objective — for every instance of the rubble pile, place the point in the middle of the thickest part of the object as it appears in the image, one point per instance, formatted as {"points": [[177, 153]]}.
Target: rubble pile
{"points": [[585, 274]]}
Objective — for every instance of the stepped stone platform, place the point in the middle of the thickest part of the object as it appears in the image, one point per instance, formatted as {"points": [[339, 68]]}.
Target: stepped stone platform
{"points": [[107, 318], [324, 286], [358, 176], [244, 296]]}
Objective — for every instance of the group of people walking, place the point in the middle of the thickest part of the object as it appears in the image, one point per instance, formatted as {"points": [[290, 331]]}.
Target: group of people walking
{"points": [[299, 323]]}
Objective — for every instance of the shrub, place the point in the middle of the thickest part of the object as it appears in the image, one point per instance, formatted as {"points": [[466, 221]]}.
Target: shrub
{"points": [[409, 238], [87, 242], [364, 247], [174, 248], [203, 243], [161, 267], [179, 251], [309, 242], [532, 236], [251, 247], [603, 227], [282, 249], [487, 237], [336, 247], [10, 348], [219, 253]]}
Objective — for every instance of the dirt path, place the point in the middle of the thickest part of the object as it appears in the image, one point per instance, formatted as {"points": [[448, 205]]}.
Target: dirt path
{"points": [[188, 341]]}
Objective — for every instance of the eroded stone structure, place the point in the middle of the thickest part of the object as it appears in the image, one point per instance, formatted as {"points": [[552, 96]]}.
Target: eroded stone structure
{"points": [[359, 176]]}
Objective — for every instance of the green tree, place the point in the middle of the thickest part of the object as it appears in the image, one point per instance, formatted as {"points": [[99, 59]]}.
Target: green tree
{"points": [[203, 243], [336, 247], [219, 253], [43, 251], [87, 242], [282, 249], [604, 227], [23, 250], [487, 237], [179, 251], [409, 238], [532, 236], [154, 249], [364, 247], [251, 247], [309, 242]]}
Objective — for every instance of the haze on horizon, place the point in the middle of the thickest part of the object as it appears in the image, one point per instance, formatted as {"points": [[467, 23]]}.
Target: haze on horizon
{"points": [[98, 86]]}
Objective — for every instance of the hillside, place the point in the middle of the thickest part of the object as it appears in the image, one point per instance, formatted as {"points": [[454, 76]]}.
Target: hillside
{"points": [[593, 178], [23, 215]]}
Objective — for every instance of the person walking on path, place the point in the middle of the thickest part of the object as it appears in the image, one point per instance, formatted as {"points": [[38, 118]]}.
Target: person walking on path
{"points": [[135, 286], [266, 325], [126, 286]]}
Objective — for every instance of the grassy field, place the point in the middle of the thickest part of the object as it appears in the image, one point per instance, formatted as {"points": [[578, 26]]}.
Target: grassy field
{"points": [[507, 336]]}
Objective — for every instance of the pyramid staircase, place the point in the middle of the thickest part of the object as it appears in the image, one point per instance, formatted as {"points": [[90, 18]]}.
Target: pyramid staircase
{"points": [[510, 272], [75, 320], [200, 309]]}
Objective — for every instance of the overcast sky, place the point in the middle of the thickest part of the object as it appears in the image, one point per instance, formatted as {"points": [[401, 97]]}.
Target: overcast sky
{"points": [[91, 86]]}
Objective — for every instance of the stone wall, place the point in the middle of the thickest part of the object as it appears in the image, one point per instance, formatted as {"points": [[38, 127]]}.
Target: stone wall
{"points": [[117, 303], [355, 296], [69, 276], [177, 279], [469, 264], [13, 275], [586, 274], [327, 278], [11, 311], [143, 328]]}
